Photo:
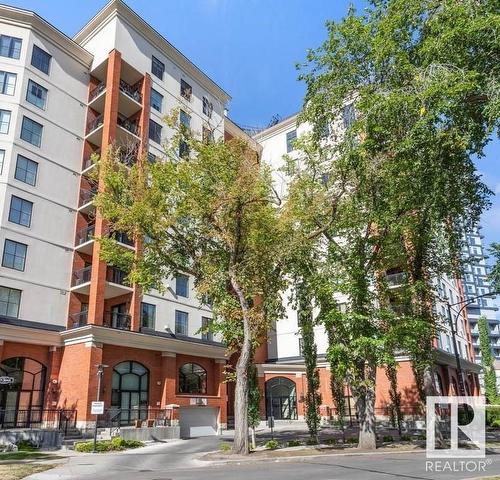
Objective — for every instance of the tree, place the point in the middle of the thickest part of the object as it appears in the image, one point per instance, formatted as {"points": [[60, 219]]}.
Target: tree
{"points": [[487, 362], [495, 271], [253, 402], [212, 214], [398, 99]]}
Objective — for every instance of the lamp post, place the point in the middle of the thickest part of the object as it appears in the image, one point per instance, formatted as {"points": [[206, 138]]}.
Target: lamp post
{"points": [[100, 372], [454, 328]]}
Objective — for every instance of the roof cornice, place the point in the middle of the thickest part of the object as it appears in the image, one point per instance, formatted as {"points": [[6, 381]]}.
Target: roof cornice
{"points": [[234, 130], [277, 129], [29, 19], [117, 8]]}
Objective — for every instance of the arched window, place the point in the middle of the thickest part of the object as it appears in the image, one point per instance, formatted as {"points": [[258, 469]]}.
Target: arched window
{"points": [[281, 398], [192, 379], [130, 386]]}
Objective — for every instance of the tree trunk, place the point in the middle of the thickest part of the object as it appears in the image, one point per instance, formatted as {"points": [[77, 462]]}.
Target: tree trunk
{"points": [[365, 406], [241, 444]]}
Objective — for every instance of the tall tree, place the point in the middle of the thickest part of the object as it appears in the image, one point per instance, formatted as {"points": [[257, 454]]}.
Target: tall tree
{"points": [[211, 214], [489, 374], [253, 402]]}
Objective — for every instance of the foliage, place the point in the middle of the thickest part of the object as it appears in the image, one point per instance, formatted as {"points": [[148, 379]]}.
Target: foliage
{"points": [[294, 443], [495, 270], [115, 444], [487, 362], [253, 397], [399, 98], [225, 447], [395, 396], [213, 215], [272, 445], [387, 438], [405, 438], [26, 446], [492, 414]]}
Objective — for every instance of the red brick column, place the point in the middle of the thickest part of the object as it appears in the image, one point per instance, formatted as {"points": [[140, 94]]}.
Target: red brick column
{"points": [[55, 358], [98, 274], [1, 350], [221, 389]]}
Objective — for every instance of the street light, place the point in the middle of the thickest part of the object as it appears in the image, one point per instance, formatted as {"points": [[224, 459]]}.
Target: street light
{"points": [[453, 327], [100, 372]]}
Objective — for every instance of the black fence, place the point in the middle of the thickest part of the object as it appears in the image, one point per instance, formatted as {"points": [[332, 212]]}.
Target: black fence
{"points": [[55, 419], [116, 417]]}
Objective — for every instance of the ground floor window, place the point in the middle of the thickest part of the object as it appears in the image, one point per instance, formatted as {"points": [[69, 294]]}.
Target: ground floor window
{"points": [[281, 399], [22, 391], [130, 387]]}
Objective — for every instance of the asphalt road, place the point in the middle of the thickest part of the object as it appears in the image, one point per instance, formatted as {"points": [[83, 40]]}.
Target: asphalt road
{"points": [[176, 461]]}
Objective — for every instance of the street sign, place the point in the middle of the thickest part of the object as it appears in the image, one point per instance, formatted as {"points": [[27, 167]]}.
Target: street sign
{"points": [[97, 408], [7, 380]]}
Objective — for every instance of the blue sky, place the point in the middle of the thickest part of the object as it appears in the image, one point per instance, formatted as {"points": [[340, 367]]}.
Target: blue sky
{"points": [[249, 47]]}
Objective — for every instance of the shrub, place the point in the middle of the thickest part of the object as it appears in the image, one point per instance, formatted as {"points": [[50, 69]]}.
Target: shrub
{"points": [[387, 438], [272, 445], [405, 438], [312, 441], [495, 423], [294, 443], [351, 440], [332, 441], [26, 446], [492, 414], [224, 447], [116, 444]]}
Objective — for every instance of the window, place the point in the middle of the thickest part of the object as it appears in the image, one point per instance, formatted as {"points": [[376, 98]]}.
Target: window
{"points": [[192, 379], [205, 325], [2, 157], [4, 121], [26, 170], [31, 131], [290, 140], [185, 119], [7, 83], [20, 211], [10, 46], [36, 94], [208, 107], [40, 59], [182, 285], [181, 323], [156, 100], [186, 90], [154, 131], [207, 135], [301, 347], [151, 158], [14, 255], [10, 299], [348, 115], [157, 67], [148, 315]]}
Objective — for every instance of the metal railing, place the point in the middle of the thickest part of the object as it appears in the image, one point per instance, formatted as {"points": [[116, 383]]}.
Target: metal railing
{"points": [[53, 419], [115, 275], [115, 417], [129, 125], [132, 92], [123, 238], [119, 321], [81, 276], [96, 91], [85, 234], [95, 123], [79, 319], [86, 196], [396, 279]]}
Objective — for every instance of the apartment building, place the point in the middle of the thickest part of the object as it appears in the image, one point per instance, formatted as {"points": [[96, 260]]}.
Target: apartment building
{"points": [[280, 363], [476, 283], [63, 311]]}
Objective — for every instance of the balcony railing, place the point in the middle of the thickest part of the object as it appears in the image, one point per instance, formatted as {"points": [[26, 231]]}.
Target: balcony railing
{"points": [[87, 161], [95, 123], [129, 125], [396, 279], [115, 275], [81, 276], [79, 319], [132, 92], [97, 90], [85, 234], [86, 196], [120, 321], [123, 238]]}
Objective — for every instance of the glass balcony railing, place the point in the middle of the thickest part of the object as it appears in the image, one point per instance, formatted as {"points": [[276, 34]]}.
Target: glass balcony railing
{"points": [[85, 234], [123, 238], [129, 125], [86, 196], [97, 90], [115, 275], [95, 123], [131, 91], [396, 279], [120, 321], [78, 319], [81, 276]]}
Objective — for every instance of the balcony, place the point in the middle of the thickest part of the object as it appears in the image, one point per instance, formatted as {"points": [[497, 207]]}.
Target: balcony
{"points": [[131, 91], [395, 280], [120, 321], [98, 89], [85, 199], [94, 130], [84, 239], [78, 319], [121, 237], [132, 127], [130, 100], [115, 284]]}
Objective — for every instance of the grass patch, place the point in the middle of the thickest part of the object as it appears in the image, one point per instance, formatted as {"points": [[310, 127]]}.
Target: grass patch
{"points": [[25, 455], [113, 445], [17, 471], [225, 447]]}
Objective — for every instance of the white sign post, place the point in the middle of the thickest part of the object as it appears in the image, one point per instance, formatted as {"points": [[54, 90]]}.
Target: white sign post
{"points": [[97, 408]]}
